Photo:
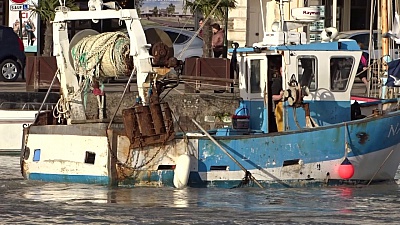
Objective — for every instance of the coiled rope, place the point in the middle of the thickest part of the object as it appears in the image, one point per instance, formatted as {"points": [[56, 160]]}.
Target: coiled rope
{"points": [[102, 56]]}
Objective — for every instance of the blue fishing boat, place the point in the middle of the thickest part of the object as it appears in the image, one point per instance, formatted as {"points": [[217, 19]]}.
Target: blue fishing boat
{"points": [[296, 125]]}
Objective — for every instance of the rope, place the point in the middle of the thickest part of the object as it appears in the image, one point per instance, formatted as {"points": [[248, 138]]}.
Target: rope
{"points": [[247, 173], [103, 55], [120, 101], [383, 163], [46, 96]]}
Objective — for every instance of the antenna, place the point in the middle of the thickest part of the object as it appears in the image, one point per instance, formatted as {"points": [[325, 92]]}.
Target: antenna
{"points": [[282, 19], [262, 16]]}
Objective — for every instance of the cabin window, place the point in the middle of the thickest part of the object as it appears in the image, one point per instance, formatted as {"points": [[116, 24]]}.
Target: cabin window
{"points": [[255, 76], [307, 68], [340, 71]]}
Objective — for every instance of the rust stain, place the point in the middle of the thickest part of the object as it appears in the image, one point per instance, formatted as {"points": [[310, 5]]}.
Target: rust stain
{"points": [[148, 125], [363, 137]]}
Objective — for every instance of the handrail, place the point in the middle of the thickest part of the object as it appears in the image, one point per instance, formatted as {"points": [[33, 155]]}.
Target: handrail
{"points": [[26, 105]]}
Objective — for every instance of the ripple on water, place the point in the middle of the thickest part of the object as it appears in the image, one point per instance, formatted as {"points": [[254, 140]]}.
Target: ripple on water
{"points": [[48, 203]]}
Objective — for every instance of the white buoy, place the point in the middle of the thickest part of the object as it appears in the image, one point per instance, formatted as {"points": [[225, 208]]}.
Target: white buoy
{"points": [[182, 171]]}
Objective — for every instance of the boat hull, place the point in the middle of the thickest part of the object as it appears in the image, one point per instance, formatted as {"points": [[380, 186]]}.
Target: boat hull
{"points": [[301, 158], [12, 123]]}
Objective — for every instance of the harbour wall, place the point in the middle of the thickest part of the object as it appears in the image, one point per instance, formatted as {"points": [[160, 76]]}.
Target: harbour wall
{"points": [[211, 110]]}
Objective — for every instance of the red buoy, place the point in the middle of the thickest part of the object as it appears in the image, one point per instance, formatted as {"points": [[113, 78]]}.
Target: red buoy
{"points": [[346, 169]]}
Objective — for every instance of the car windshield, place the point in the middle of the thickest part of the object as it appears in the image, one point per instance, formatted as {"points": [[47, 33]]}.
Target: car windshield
{"points": [[342, 36]]}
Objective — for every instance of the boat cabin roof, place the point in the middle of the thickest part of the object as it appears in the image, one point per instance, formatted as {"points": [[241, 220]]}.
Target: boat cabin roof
{"points": [[340, 45]]}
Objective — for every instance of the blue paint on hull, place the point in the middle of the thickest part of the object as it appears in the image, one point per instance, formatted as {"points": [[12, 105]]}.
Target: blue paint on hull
{"points": [[65, 178], [157, 178], [268, 151], [310, 145]]}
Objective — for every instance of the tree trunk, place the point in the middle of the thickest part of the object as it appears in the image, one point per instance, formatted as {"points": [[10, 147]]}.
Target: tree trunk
{"points": [[207, 39], [48, 39]]}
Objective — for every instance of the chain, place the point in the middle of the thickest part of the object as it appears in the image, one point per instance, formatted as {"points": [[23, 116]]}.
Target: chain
{"points": [[128, 162], [23, 154]]}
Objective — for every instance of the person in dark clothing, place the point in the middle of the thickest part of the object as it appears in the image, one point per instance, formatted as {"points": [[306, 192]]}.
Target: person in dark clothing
{"points": [[363, 66], [217, 40], [276, 87], [30, 29], [277, 96], [201, 20]]}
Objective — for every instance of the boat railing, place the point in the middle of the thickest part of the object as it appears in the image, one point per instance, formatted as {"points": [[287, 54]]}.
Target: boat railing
{"points": [[27, 105]]}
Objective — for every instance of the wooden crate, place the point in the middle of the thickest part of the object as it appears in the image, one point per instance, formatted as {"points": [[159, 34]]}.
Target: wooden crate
{"points": [[39, 72], [215, 72]]}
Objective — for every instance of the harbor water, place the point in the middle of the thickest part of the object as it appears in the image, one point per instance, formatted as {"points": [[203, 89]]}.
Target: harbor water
{"points": [[33, 202]]}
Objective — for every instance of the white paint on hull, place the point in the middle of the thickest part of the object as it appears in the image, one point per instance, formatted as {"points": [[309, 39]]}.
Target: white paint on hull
{"points": [[65, 154], [10, 116], [11, 128]]}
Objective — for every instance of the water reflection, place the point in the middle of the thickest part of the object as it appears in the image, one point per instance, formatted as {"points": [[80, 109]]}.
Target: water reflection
{"points": [[66, 193], [79, 203], [181, 197]]}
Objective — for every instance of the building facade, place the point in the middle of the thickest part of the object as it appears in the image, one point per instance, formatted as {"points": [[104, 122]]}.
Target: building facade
{"points": [[247, 19], [251, 18]]}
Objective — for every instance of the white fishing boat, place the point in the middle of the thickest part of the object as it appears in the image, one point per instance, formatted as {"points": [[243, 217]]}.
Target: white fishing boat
{"points": [[312, 135], [14, 117]]}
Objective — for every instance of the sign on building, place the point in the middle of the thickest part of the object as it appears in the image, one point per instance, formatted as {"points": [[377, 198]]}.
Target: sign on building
{"points": [[19, 7], [18, 1], [26, 26]]}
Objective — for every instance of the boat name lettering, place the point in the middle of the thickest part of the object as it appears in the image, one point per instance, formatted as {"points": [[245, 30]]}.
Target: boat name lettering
{"points": [[394, 130], [310, 13]]}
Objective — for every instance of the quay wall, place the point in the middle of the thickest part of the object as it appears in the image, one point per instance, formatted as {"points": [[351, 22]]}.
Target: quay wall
{"points": [[211, 110]]}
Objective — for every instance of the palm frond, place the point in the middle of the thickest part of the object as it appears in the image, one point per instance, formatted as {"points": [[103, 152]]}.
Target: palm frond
{"points": [[46, 8], [205, 7]]}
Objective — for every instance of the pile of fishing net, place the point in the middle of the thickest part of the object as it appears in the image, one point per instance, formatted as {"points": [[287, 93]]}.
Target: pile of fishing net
{"points": [[102, 56]]}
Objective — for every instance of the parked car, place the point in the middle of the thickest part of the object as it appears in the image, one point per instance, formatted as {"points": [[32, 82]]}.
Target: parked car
{"points": [[364, 37], [12, 55], [180, 38]]}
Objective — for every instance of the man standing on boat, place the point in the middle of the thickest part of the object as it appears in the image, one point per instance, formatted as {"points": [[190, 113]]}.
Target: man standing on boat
{"points": [[277, 96], [363, 65]]}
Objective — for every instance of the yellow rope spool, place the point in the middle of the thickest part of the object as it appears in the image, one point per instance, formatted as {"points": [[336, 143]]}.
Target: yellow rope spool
{"points": [[103, 55]]}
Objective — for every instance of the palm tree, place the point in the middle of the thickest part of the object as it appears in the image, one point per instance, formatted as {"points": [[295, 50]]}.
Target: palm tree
{"points": [[45, 9], [205, 7]]}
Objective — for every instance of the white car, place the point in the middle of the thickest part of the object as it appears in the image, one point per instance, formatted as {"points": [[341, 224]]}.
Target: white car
{"points": [[364, 37], [180, 38]]}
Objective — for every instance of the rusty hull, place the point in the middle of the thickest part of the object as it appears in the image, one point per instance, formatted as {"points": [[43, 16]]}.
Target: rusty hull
{"points": [[142, 165]]}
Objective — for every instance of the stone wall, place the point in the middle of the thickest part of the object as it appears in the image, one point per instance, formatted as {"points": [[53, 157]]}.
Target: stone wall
{"points": [[210, 110]]}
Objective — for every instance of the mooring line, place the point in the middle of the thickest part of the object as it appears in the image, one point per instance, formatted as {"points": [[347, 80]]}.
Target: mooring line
{"points": [[227, 153], [383, 163]]}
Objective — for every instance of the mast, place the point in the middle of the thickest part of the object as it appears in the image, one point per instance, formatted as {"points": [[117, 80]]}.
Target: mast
{"points": [[384, 20]]}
